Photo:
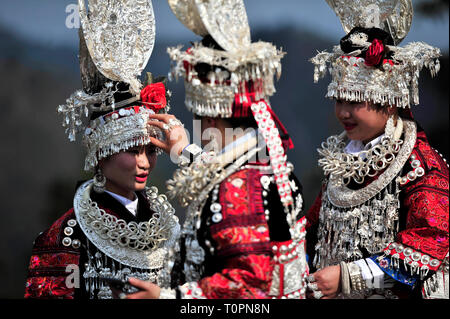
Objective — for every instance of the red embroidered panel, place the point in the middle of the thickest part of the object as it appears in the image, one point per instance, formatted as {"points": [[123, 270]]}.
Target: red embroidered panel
{"points": [[242, 241], [55, 259], [243, 277], [47, 269], [48, 287], [243, 228], [426, 204]]}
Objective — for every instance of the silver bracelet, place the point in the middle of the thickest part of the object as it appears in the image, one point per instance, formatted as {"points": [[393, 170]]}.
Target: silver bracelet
{"points": [[345, 279], [356, 278]]}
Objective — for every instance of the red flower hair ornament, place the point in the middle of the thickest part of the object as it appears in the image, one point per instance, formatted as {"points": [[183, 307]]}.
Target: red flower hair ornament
{"points": [[154, 96], [375, 53]]}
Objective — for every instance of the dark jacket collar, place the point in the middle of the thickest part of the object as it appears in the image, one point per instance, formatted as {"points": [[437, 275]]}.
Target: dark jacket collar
{"points": [[114, 207]]}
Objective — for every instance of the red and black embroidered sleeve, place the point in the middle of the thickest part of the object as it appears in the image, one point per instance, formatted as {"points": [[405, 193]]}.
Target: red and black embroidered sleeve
{"points": [[241, 241], [47, 271], [424, 242]]}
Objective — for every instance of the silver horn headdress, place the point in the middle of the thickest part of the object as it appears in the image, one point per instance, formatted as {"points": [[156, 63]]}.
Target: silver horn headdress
{"points": [[239, 62], [240, 78], [116, 42], [385, 74]]}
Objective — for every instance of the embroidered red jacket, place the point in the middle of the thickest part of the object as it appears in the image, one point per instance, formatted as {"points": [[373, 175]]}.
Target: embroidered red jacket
{"points": [[47, 271], [239, 262], [424, 208]]}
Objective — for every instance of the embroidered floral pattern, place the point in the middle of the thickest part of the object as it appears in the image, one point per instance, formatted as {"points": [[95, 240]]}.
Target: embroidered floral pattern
{"points": [[47, 269]]}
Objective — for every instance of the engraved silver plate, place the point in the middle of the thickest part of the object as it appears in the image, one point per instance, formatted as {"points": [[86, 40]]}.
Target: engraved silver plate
{"points": [[394, 16], [227, 22], [119, 36], [186, 11]]}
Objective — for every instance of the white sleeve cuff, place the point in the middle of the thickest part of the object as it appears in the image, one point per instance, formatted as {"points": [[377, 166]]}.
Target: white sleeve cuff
{"points": [[378, 274]]}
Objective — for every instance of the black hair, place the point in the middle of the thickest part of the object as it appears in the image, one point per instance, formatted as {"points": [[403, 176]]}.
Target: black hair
{"points": [[372, 33], [203, 69], [121, 95]]}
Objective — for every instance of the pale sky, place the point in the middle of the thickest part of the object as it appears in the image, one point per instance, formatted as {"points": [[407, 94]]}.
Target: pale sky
{"points": [[43, 21]]}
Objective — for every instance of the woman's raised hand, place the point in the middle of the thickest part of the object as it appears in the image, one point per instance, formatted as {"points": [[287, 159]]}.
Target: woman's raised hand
{"points": [[176, 137]]}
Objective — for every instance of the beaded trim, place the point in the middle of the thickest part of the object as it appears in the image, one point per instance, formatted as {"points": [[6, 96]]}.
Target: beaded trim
{"points": [[278, 159], [417, 171], [395, 85], [417, 262]]}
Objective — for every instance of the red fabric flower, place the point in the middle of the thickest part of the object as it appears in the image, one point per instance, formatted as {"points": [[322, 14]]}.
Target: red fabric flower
{"points": [[375, 53], [154, 96]]}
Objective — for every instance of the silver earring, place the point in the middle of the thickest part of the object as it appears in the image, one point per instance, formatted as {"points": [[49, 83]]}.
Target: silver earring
{"points": [[99, 182], [389, 129]]}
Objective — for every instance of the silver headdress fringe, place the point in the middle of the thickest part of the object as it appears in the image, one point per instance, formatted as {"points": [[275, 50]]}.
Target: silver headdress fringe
{"points": [[397, 83], [113, 134]]}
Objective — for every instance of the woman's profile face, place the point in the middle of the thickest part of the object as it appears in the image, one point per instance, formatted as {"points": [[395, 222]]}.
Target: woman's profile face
{"points": [[127, 171], [362, 120]]}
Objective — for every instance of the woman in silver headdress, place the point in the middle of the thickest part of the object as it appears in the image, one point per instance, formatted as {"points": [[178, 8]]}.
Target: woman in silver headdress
{"points": [[117, 227], [379, 228]]}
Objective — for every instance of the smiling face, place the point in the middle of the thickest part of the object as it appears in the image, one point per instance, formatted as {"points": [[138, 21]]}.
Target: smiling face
{"points": [[126, 172], [363, 121]]}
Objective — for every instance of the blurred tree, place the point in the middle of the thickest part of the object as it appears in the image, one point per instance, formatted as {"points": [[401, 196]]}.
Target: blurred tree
{"points": [[432, 8]]}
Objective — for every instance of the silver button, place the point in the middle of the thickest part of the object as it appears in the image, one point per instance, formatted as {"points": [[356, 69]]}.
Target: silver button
{"points": [[67, 241], [419, 171], [425, 259], [411, 176], [415, 163], [68, 231], [416, 256], [261, 229], [407, 252], [217, 217], [76, 244], [434, 263], [72, 222], [283, 249], [216, 208]]}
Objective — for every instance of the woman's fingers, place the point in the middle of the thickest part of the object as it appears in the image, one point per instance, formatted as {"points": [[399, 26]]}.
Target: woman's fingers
{"points": [[149, 290], [139, 295], [144, 285], [159, 124], [162, 117], [158, 143]]}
